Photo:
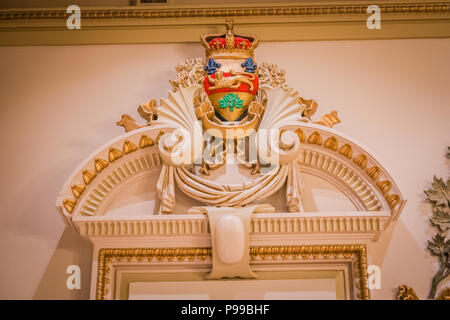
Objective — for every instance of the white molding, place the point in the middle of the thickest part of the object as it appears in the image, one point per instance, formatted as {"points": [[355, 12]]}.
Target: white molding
{"points": [[331, 165], [265, 229]]}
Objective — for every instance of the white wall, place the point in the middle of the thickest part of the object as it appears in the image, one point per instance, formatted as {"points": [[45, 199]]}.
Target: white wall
{"points": [[58, 104]]}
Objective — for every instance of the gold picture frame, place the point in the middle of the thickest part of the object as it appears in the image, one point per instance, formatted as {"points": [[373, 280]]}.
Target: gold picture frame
{"points": [[356, 254]]}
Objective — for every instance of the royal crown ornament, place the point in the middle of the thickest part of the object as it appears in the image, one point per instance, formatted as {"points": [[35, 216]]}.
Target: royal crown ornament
{"points": [[231, 82]]}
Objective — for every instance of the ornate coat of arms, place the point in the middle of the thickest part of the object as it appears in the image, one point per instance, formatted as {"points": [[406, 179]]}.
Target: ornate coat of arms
{"points": [[229, 104], [231, 82]]}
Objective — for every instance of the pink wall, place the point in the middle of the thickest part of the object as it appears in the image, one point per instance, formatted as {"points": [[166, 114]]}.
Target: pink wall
{"points": [[58, 104]]}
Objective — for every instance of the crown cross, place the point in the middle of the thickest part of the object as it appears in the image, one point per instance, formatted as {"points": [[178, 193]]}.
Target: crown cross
{"points": [[229, 45], [230, 34]]}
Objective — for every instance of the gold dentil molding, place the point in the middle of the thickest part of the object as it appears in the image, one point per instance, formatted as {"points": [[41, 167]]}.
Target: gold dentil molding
{"points": [[279, 22]]}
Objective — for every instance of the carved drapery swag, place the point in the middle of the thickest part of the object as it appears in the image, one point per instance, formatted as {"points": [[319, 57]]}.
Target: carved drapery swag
{"points": [[215, 194]]}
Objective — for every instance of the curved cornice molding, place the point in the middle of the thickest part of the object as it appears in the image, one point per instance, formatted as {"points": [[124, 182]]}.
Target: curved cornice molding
{"points": [[325, 152], [351, 166], [107, 168], [279, 22]]}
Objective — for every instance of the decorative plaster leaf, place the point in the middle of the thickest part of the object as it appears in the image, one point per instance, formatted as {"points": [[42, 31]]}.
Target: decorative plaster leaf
{"points": [[178, 110], [282, 107], [129, 123], [445, 294], [440, 194], [441, 219], [148, 110], [270, 75], [406, 293], [329, 119], [438, 246], [189, 73]]}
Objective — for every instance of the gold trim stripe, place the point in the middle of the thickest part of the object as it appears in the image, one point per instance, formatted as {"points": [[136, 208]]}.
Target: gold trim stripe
{"points": [[228, 11], [107, 256]]}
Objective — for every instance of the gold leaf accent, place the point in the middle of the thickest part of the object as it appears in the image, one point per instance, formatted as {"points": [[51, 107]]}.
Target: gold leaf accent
{"points": [[406, 293], [145, 142], [384, 186], [114, 154], [311, 107], [100, 164], [197, 100], [148, 110], [88, 176], [315, 138], [445, 294], [346, 150], [160, 134], [128, 122], [271, 75], [331, 143], [392, 200], [361, 161], [77, 190], [301, 135], [329, 119], [129, 147], [69, 204], [373, 172]]}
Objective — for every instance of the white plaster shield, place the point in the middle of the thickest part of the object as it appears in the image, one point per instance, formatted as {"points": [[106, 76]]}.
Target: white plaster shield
{"points": [[230, 239]]}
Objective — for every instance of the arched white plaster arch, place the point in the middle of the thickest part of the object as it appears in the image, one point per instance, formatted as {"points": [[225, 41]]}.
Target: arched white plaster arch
{"points": [[325, 152]]}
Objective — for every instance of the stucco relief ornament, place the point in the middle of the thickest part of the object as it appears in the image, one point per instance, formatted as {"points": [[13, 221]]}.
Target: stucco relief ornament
{"points": [[226, 112], [230, 117], [236, 113]]}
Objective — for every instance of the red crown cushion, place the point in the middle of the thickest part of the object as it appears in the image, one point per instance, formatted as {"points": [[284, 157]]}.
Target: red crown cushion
{"points": [[222, 41]]}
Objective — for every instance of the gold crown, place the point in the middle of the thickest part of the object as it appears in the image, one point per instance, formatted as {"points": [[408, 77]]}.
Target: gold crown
{"points": [[229, 45]]}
